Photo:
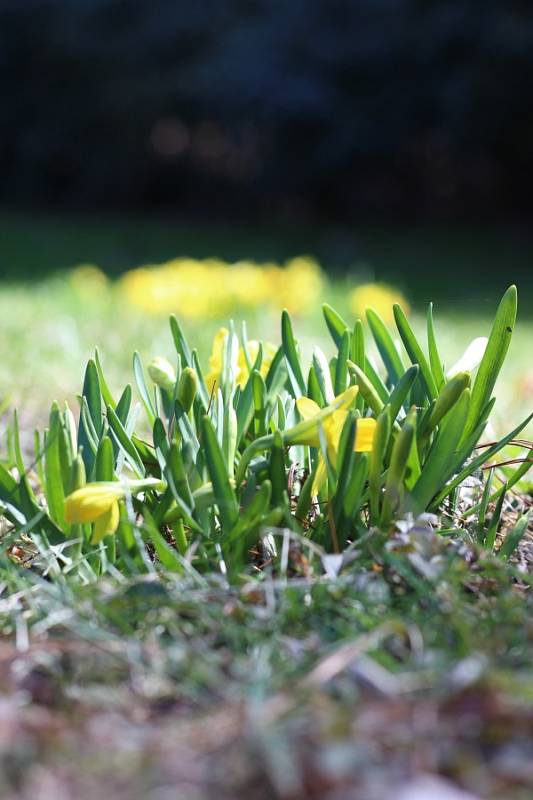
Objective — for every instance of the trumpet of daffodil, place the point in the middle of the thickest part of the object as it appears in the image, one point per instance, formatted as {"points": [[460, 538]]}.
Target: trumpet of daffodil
{"points": [[98, 503], [239, 365], [331, 419]]}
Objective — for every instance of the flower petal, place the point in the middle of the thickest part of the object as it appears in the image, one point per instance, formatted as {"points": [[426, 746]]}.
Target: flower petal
{"points": [[307, 407], [91, 501], [320, 478], [106, 524], [364, 436]]}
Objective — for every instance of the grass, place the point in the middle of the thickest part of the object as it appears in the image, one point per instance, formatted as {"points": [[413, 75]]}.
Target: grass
{"points": [[407, 668]]}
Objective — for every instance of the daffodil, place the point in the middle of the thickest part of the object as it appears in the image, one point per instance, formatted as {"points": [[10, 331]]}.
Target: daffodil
{"points": [[239, 367], [331, 419], [378, 296], [98, 503]]}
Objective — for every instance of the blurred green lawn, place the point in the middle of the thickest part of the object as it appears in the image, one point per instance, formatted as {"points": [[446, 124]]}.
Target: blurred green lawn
{"points": [[48, 331]]}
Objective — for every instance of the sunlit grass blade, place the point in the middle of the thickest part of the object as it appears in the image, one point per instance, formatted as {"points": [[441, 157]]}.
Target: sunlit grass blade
{"points": [[341, 366], [367, 389], [125, 443], [414, 351], [180, 342], [443, 454], [294, 368], [400, 394], [494, 356], [143, 389], [434, 358], [54, 491], [123, 406], [385, 344], [225, 496], [104, 388], [335, 323]]}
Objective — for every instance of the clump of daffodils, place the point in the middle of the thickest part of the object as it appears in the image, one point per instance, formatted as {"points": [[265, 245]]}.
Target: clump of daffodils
{"points": [[211, 288]]}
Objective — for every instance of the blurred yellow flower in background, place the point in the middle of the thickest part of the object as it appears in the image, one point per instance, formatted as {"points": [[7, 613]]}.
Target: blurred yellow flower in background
{"points": [[88, 280], [211, 288], [379, 296]]}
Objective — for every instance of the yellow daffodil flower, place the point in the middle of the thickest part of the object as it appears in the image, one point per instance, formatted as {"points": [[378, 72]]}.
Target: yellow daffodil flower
{"points": [[332, 419], [240, 367], [191, 287], [98, 503], [378, 296]]}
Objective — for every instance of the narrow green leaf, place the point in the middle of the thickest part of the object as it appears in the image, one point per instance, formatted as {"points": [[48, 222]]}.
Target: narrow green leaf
{"points": [[341, 367], [323, 375], [393, 495], [492, 361], [259, 392], [414, 351], [180, 342], [434, 357], [490, 539], [278, 476], [379, 448], [336, 325], [225, 496], [367, 389], [443, 454], [54, 492], [142, 388], [400, 394], [514, 537], [123, 406], [125, 443], [385, 344], [376, 381], [314, 392], [104, 388], [105, 461], [292, 358]]}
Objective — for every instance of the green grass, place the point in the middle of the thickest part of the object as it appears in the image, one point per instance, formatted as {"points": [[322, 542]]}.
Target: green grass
{"points": [[298, 678]]}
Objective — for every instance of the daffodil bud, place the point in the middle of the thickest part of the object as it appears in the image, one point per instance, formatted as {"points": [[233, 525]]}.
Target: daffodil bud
{"points": [[187, 388], [448, 397], [162, 373]]}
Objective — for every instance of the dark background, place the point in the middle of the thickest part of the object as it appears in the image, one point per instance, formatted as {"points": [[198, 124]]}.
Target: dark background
{"points": [[285, 112]]}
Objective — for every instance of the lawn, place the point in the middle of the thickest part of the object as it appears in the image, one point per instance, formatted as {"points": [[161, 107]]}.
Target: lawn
{"points": [[249, 607]]}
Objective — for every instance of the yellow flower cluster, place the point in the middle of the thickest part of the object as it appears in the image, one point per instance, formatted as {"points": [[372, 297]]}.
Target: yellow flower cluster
{"points": [[211, 288], [88, 280], [379, 296]]}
